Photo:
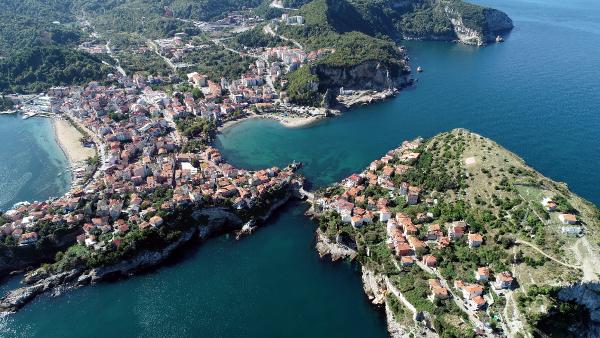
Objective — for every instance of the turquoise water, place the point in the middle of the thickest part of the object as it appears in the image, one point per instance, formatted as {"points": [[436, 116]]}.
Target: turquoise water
{"points": [[30, 161], [537, 94]]}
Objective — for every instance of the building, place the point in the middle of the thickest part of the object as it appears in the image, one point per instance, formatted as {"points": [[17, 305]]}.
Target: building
{"points": [[504, 280], [384, 215], [475, 240], [438, 292], [568, 219], [482, 274], [477, 303], [456, 229], [572, 230], [549, 204], [430, 261]]}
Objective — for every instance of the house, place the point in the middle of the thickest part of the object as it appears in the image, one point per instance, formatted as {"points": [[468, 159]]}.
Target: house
{"points": [[403, 249], [456, 229], [471, 290], [504, 280], [434, 232], [482, 274], [384, 215], [90, 241], [412, 197], [156, 221], [475, 240], [28, 238], [417, 245], [477, 303], [549, 204], [356, 221], [572, 230], [406, 261], [568, 219], [438, 292], [430, 261]]}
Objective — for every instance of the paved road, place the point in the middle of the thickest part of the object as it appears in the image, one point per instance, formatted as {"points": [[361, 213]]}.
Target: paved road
{"points": [[270, 31]]}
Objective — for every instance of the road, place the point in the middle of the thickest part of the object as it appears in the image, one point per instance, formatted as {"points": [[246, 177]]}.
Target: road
{"points": [[118, 63], [154, 48], [267, 29]]}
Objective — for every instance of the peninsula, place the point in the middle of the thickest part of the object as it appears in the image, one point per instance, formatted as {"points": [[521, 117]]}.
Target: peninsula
{"points": [[456, 236]]}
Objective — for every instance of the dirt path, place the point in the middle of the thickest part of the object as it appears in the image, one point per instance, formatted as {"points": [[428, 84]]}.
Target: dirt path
{"points": [[577, 267]]}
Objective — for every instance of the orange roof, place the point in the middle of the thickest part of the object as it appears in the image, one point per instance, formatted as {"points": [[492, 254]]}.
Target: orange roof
{"points": [[478, 300], [483, 271], [475, 238]]}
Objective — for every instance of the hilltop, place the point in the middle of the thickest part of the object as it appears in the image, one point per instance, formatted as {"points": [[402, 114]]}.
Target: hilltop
{"points": [[456, 234]]}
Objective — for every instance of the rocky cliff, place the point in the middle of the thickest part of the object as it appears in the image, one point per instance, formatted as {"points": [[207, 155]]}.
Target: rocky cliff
{"points": [[368, 75], [478, 32], [588, 295], [22, 257]]}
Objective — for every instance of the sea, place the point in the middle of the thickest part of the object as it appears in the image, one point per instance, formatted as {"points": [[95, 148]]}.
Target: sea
{"points": [[537, 94], [33, 167]]}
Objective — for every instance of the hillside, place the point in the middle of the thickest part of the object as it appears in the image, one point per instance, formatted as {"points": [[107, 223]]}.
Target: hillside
{"points": [[419, 19], [35, 69], [432, 221]]}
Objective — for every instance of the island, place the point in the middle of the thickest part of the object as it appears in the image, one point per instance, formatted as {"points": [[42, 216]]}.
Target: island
{"points": [[456, 236]]}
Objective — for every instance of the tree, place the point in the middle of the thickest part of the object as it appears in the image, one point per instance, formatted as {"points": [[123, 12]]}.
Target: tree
{"points": [[197, 93]]}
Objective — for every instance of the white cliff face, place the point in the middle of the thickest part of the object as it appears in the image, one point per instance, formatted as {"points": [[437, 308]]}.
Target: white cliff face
{"points": [[372, 75], [496, 22], [464, 34]]}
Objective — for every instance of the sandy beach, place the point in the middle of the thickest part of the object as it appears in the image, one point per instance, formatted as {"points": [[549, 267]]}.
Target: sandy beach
{"points": [[68, 138], [288, 121]]}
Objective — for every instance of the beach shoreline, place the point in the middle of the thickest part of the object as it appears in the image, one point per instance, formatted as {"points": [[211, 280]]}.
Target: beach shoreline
{"points": [[68, 139], [288, 122]]}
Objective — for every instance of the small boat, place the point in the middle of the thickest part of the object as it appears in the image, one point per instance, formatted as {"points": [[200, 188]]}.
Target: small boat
{"points": [[419, 69], [499, 39]]}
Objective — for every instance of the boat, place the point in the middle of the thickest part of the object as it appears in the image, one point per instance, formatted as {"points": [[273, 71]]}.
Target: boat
{"points": [[419, 69], [499, 39]]}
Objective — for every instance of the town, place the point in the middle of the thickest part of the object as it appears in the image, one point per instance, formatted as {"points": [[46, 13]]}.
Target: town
{"points": [[140, 174]]}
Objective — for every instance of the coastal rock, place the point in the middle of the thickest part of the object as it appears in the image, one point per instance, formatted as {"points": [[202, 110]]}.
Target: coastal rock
{"points": [[337, 251], [496, 22], [394, 328], [215, 220], [374, 286], [22, 257], [588, 295], [143, 260], [17, 298]]}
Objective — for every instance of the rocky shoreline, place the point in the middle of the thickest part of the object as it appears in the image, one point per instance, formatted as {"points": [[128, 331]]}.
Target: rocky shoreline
{"points": [[220, 220]]}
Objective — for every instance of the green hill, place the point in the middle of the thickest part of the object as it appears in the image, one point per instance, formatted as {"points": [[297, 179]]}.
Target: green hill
{"points": [[35, 69]]}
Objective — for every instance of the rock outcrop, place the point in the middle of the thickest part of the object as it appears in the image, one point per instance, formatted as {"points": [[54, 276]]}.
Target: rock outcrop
{"points": [[588, 295], [495, 23], [326, 247], [22, 257], [368, 75]]}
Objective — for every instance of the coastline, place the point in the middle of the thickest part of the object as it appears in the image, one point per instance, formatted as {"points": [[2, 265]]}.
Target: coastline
{"points": [[288, 122], [68, 139]]}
